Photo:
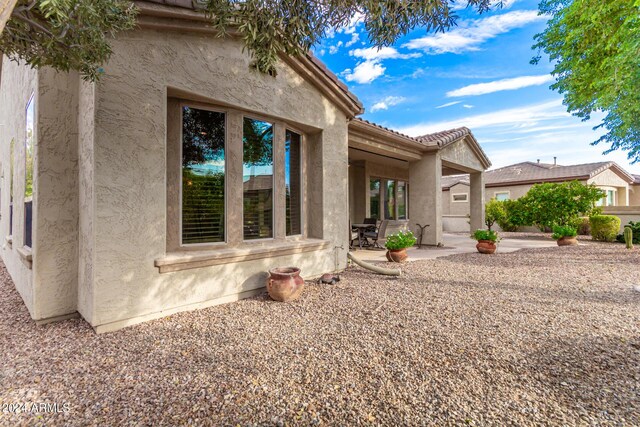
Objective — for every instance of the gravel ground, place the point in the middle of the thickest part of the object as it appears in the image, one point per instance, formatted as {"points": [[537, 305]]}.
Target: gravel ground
{"points": [[537, 337]]}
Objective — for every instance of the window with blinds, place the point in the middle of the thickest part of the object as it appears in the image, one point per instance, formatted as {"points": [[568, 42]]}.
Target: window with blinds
{"points": [[257, 179], [293, 183], [203, 176]]}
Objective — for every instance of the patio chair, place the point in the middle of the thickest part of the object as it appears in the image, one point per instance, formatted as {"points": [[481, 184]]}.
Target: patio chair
{"points": [[353, 235], [373, 222], [377, 234]]}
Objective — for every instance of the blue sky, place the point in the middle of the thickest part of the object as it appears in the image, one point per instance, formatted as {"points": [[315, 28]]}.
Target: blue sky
{"points": [[476, 75]]}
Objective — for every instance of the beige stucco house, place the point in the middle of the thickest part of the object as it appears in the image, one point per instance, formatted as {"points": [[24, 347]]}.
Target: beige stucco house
{"points": [[182, 176], [514, 181]]}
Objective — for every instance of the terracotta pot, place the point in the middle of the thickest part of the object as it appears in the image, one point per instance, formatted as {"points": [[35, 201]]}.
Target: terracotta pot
{"points": [[486, 247], [397, 255], [284, 283], [567, 241]]}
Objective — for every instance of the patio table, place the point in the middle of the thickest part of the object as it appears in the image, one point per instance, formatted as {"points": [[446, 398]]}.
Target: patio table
{"points": [[361, 229]]}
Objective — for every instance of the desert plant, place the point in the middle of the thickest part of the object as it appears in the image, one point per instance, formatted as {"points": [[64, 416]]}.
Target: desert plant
{"points": [[604, 227], [635, 230], [628, 237], [400, 240], [560, 231], [486, 235]]}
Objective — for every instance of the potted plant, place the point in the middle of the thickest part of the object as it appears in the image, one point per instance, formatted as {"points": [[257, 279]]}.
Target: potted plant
{"points": [[397, 245], [487, 240], [565, 235]]}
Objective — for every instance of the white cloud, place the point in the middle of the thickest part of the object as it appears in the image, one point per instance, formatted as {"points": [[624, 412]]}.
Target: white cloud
{"points": [[365, 72], [354, 39], [334, 49], [448, 104], [500, 85], [513, 118], [387, 102], [467, 105], [370, 68], [470, 34]]}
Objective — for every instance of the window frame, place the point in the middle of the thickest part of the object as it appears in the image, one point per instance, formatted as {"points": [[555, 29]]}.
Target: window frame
{"points": [[31, 103], [508, 193], [225, 111], [303, 183], [466, 198], [382, 194], [273, 122]]}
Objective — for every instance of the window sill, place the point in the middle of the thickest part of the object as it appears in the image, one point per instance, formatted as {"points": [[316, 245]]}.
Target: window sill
{"points": [[26, 255], [177, 261]]}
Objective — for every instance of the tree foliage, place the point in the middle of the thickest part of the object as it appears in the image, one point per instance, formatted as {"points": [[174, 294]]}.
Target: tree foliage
{"points": [[551, 204], [73, 34], [65, 34], [595, 46], [494, 211]]}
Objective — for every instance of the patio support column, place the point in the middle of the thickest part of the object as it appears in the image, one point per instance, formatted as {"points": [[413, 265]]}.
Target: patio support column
{"points": [[476, 200], [425, 197]]}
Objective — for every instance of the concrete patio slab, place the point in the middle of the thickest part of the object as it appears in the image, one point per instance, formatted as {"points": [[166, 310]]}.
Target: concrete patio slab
{"points": [[454, 244]]}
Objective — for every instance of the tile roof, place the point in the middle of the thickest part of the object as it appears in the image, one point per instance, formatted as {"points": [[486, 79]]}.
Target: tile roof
{"points": [[636, 179], [388, 130], [532, 172], [444, 137], [449, 181]]}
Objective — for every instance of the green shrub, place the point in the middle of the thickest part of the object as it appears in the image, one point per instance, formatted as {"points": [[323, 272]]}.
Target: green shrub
{"points": [[549, 204], [513, 217], [582, 226], [635, 229], [560, 231], [604, 227], [485, 235], [400, 240]]}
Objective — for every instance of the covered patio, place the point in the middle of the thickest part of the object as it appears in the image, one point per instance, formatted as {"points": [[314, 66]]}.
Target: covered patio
{"points": [[395, 178]]}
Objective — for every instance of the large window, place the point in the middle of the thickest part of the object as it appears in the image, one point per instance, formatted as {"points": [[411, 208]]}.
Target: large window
{"points": [[257, 177], [390, 200], [374, 198], [402, 200], [395, 199], [203, 176], [29, 144], [293, 183]]}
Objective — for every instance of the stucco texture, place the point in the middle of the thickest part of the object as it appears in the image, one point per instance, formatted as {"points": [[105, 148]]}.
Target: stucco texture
{"points": [[16, 87], [129, 223]]}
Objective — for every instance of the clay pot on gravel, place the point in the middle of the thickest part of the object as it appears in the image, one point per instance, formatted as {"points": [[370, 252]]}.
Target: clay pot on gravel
{"points": [[486, 247], [397, 255], [567, 241], [284, 283]]}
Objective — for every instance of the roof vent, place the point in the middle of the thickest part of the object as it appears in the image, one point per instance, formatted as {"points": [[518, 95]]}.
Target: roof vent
{"points": [[555, 159], [538, 161]]}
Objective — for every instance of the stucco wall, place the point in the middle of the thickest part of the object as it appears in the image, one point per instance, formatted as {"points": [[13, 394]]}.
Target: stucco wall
{"points": [[129, 150], [55, 212], [634, 195], [608, 178], [449, 207], [625, 213], [17, 84]]}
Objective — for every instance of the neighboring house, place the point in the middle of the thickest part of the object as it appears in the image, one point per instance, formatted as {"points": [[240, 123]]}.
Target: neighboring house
{"points": [[514, 181], [182, 176], [634, 191]]}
